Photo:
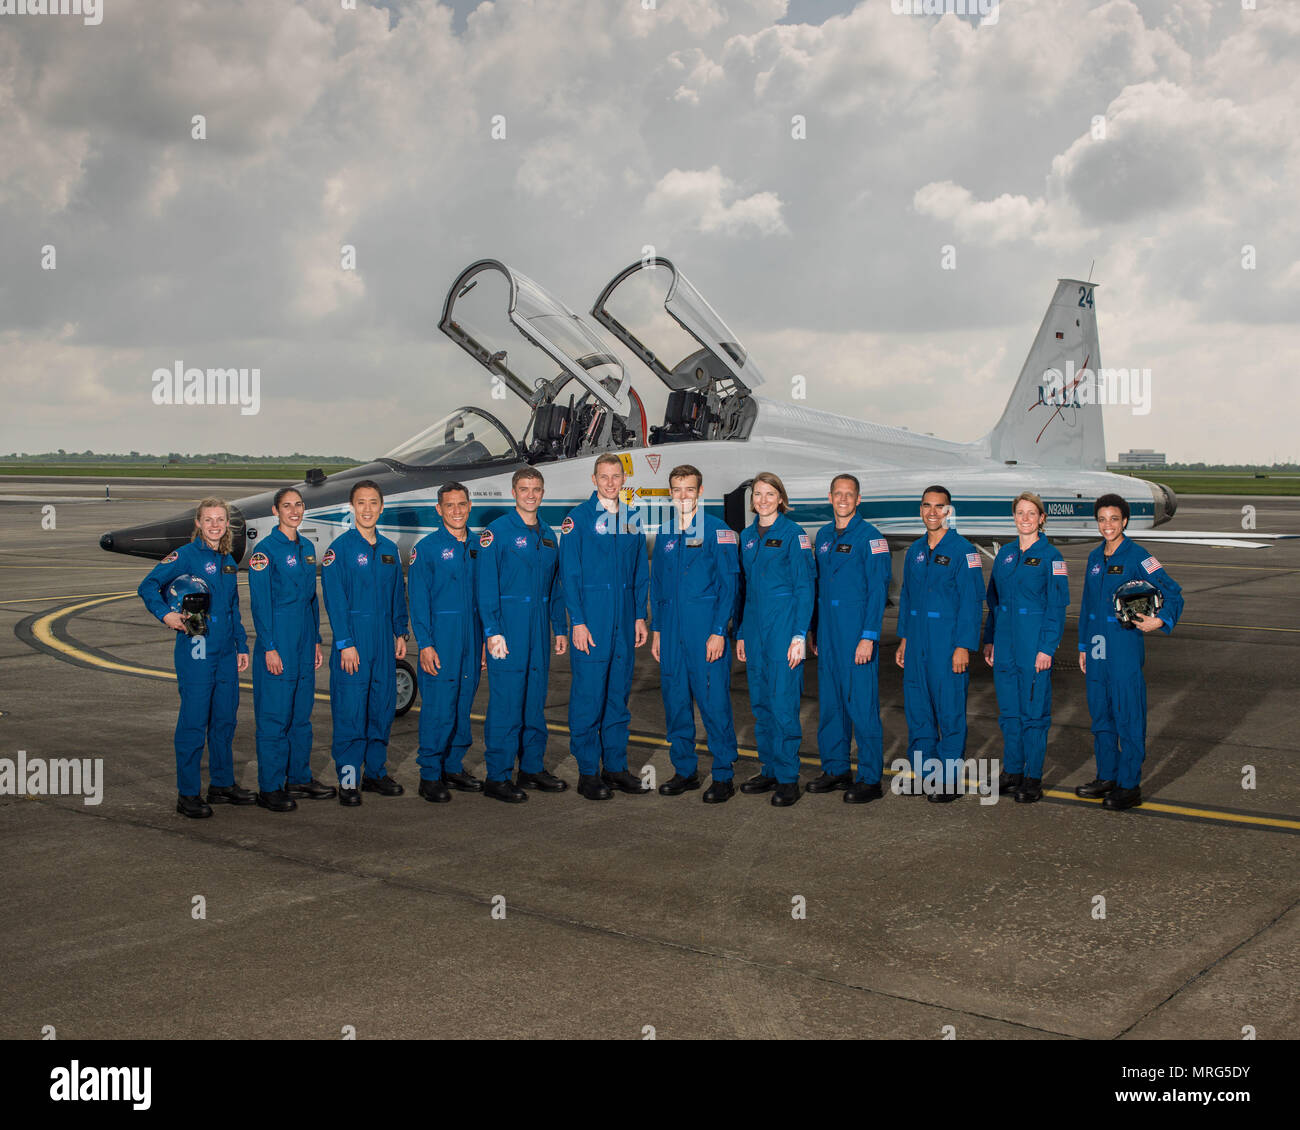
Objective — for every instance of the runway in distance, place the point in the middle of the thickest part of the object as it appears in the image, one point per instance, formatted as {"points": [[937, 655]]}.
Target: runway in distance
{"points": [[580, 402]]}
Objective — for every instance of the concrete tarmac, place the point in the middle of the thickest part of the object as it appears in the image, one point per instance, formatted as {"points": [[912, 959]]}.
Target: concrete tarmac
{"points": [[647, 911]]}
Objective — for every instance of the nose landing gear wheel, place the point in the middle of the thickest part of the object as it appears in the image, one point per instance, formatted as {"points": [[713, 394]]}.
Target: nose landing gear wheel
{"points": [[407, 688]]}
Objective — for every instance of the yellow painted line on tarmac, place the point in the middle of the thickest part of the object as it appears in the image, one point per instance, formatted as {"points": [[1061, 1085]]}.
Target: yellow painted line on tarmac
{"points": [[69, 596], [42, 629]]}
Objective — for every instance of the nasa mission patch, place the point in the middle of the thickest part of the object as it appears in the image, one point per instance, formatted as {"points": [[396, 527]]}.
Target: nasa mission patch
{"points": [[328, 559], [169, 558], [412, 560], [258, 562], [485, 538], [566, 526]]}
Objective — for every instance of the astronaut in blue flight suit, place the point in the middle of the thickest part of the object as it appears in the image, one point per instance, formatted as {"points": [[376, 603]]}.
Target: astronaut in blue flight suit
{"points": [[694, 582], [286, 618], [449, 636], [1028, 593], [780, 588], [939, 616], [1111, 655], [853, 572], [521, 606], [605, 577], [365, 598], [207, 666]]}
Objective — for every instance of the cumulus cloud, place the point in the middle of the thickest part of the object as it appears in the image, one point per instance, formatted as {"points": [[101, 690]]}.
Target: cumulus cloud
{"points": [[565, 136]]}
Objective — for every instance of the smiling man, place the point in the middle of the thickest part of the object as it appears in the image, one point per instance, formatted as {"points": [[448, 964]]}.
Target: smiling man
{"points": [[521, 605], [606, 580], [940, 613], [365, 598]]}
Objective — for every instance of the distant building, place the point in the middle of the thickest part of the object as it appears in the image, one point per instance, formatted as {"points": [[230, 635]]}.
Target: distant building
{"points": [[1142, 457]]}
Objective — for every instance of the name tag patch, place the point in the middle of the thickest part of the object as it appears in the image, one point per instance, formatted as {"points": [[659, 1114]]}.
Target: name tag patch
{"points": [[942, 559], [1033, 561], [387, 559], [229, 569], [844, 549], [1115, 569], [773, 542]]}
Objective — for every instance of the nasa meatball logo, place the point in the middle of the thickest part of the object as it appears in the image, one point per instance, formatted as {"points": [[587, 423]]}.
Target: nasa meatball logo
{"points": [[920, 558], [521, 542], [566, 526], [670, 545], [1008, 558], [169, 558], [328, 559], [210, 568], [485, 539], [749, 544], [362, 559], [260, 561], [448, 553], [291, 560], [1095, 570], [412, 560], [824, 547]]}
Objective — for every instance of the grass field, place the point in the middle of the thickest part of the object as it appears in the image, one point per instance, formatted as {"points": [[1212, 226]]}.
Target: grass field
{"points": [[290, 471], [1223, 482]]}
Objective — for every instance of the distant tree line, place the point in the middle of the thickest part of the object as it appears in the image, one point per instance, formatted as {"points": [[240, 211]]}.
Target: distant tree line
{"points": [[88, 456], [1211, 467]]}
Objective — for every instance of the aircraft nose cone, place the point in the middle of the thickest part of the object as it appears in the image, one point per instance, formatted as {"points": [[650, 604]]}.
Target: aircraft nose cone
{"points": [[106, 542]]}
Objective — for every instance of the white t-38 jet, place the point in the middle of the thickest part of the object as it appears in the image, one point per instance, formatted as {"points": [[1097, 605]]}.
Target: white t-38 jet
{"points": [[580, 401]]}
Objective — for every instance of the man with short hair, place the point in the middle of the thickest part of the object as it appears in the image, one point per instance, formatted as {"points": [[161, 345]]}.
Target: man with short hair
{"points": [[365, 597], [940, 613], [853, 574], [694, 583], [521, 606], [1112, 654], [449, 637], [606, 578]]}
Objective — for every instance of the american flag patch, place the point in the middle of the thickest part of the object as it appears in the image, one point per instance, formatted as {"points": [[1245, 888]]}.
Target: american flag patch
{"points": [[1058, 569], [805, 541], [1150, 564], [972, 560], [879, 545], [726, 537]]}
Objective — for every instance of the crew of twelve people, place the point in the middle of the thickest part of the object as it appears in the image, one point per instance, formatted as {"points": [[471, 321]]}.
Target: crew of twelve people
{"points": [[508, 599]]}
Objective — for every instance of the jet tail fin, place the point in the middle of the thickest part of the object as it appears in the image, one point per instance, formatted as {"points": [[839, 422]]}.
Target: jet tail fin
{"points": [[1052, 418]]}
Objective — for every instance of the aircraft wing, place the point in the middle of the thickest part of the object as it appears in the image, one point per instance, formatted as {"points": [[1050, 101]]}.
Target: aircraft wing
{"points": [[901, 539]]}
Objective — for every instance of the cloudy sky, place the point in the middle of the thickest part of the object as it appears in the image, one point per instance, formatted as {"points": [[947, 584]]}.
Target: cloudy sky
{"points": [[626, 127]]}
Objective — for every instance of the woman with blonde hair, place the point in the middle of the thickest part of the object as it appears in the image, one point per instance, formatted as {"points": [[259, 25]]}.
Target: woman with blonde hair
{"points": [[780, 584], [211, 650], [1028, 593]]}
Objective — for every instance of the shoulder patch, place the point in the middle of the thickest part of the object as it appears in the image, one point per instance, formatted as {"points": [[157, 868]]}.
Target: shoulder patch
{"points": [[328, 559], [258, 562], [485, 538], [972, 560], [879, 545], [1059, 569], [412, 561], [170, 558], [566, 526], [1150, 564], [805, 541], [726, 537]]}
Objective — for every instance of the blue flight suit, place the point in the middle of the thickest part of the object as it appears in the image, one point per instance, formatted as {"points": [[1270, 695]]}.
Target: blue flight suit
{"points": [[605, 576], [694, 582], [853, 573], [520, 597], [940, 609], [444, 616], [206, 673], [1028, 593], [1117, 690], [780, 589], [286, 618], [365, 598]]}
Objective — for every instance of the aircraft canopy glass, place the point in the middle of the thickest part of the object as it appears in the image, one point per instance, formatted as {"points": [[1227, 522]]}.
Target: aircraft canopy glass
{"points": [[655, 311], [490, 307], [464, 438]]}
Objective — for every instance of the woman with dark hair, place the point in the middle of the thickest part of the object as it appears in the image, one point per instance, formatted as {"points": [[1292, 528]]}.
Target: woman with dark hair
{"points": [[1028, 593], [780, 583], [208, 662], [287, 654]]}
